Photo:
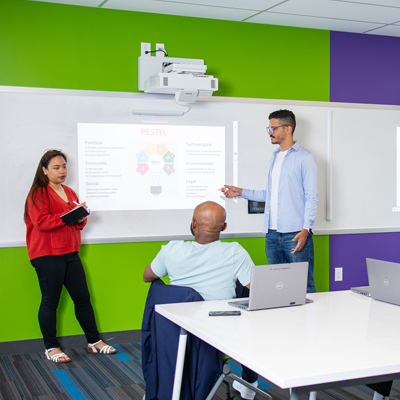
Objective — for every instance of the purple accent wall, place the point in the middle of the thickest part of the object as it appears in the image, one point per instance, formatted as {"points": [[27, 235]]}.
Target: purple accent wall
{"points": [[364, 68], [350, 252]]}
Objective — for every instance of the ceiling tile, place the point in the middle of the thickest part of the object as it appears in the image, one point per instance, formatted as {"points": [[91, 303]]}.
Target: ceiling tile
{"points": [[87, 3], [389, 3], [389, 30], [340, 10], [255, 5], [174, 8], [312, 22], [358, 16]]}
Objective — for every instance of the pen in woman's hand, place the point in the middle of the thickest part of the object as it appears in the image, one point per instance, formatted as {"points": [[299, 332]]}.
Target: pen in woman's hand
{"points": [[81, 205]]}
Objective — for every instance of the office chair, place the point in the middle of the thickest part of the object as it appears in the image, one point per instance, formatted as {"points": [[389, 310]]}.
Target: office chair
{"points": [[160, 338], [227, 377], [159, 357]]}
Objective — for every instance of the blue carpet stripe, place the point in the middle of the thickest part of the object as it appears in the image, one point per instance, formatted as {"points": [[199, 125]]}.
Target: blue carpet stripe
{"points": [[87, 387], [121, 354], [45, 376], [69, 386]]}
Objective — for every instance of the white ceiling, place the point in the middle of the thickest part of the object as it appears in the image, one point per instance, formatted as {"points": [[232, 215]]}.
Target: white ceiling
{"points": [[377, 17]]}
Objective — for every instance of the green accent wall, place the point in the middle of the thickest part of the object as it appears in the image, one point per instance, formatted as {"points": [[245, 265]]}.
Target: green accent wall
{"points": [[114, 275], [321, 264], [70, 47]]}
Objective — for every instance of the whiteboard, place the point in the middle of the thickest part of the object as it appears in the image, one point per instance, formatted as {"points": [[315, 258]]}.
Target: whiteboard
{"points": [[354, 146]]}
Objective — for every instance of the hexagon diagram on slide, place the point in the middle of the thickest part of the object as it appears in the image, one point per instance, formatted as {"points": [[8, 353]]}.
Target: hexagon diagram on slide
{"points": [[155, 159]]}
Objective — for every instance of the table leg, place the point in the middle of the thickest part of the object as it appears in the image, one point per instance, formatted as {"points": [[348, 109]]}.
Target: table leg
{"points": [[313, 395], [180, 360], [294, 394]]}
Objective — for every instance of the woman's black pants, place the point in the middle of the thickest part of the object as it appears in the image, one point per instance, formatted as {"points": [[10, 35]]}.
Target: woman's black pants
{"points": [[54, 272]]}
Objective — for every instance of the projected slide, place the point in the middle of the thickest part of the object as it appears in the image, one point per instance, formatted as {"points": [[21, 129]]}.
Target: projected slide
{"points": [[150, 167]]}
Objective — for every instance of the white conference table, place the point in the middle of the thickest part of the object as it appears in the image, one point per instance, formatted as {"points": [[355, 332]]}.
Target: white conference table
{"points": [[340, 339]]}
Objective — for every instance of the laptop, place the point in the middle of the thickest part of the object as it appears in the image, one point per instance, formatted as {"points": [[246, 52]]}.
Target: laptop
{"points": [[384, 280], [364, 290], [275, 285]]}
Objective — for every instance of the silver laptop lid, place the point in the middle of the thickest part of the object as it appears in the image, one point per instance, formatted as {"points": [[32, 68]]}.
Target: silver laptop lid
{"points": [[278, 285], [384, 280], [364, 290]]}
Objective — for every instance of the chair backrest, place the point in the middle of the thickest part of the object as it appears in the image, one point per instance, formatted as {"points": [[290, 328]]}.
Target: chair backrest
{"points": [[241, 291], [160, 339]]}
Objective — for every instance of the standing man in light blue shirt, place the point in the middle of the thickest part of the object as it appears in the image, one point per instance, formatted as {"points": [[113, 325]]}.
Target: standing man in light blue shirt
{"points": [[291, 197]]}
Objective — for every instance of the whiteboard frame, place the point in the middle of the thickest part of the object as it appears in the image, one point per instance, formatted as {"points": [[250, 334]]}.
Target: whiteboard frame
{"points": [[255, 234]]}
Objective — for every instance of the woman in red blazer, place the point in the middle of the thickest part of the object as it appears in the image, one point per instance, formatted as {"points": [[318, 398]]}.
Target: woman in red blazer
{"points": [[53, 249]]}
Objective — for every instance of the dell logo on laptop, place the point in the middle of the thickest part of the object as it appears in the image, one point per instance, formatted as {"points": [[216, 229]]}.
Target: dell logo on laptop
{"points": [[386, 281]]}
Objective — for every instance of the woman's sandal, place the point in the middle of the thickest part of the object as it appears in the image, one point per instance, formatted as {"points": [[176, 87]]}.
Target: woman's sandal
{"points": [[106, 349], [55, 357]]}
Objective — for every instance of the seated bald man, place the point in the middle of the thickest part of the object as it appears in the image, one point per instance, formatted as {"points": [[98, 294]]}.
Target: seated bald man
{"points": [[207, 265]]}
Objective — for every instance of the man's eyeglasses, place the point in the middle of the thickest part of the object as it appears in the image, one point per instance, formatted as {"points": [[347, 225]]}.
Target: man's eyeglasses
{"points": [[272, 128]]}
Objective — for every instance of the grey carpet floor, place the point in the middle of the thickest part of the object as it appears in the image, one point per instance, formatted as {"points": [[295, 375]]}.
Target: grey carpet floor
{"points": [[116, 377]]}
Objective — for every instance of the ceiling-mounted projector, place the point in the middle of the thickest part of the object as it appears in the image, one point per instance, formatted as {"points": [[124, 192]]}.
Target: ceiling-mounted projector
{"points": [[184, 77]]}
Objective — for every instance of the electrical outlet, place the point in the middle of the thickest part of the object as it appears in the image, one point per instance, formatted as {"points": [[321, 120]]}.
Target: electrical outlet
{"points": [[338, 274], [145, 47], [160, 46]]}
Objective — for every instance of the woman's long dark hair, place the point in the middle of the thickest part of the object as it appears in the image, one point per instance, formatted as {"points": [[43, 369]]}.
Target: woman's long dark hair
{"points": [[40, 181]]}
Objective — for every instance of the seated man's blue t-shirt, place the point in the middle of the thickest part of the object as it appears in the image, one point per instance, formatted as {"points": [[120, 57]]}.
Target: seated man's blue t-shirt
{"points": [[210, 269]]}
